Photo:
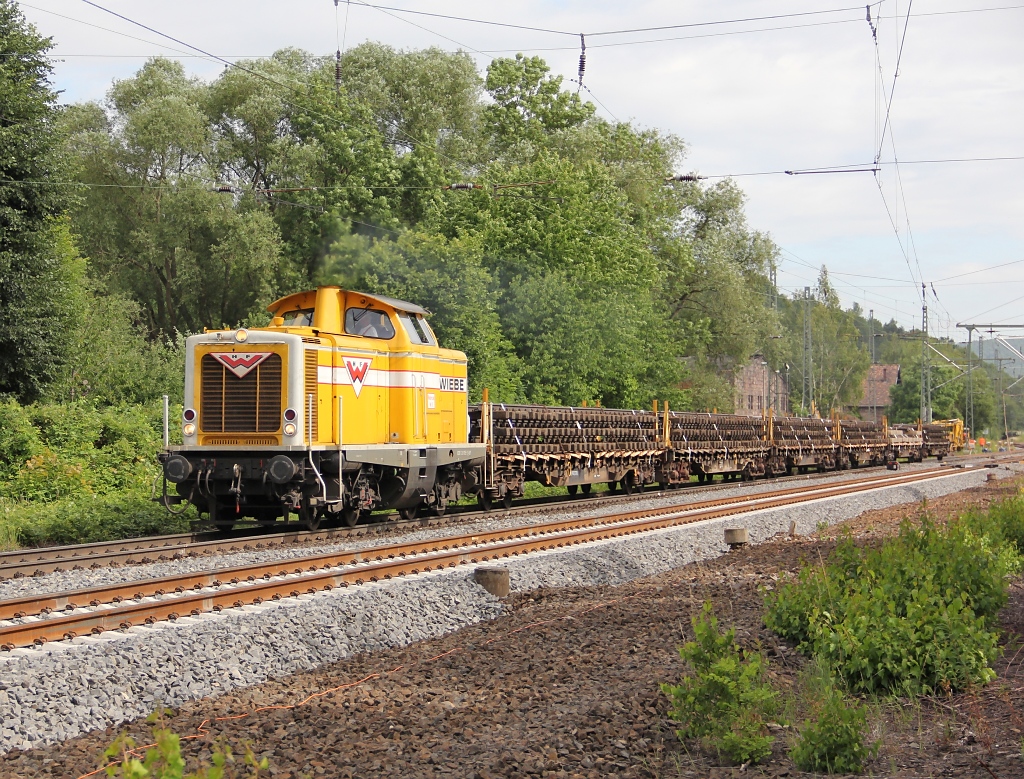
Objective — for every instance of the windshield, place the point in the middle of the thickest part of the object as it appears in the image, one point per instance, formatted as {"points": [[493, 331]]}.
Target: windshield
{"points": [[368, 323]]}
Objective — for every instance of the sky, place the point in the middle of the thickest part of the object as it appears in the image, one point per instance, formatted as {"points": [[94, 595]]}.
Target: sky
{"points": [[751, 96]]}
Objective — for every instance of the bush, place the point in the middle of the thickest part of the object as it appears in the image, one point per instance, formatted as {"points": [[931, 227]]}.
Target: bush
{"points": [[832, 737], [725, 704], [910, 617], [83, 519], [73, 473]]}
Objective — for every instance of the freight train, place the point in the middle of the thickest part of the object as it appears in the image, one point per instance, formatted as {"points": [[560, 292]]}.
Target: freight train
{"points": [[346, 403]]}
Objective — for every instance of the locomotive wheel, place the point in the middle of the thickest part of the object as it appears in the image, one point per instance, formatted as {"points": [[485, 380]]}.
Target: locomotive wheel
{"points": [[349, 516], [572, 489], [309, 516], [585, 488]]}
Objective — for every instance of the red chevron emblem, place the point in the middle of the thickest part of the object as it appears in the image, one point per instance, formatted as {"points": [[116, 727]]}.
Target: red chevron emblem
{"points": [[357, 370], [240, 363]]}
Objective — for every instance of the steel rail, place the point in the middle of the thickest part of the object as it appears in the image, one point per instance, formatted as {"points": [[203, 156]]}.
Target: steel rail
{"points": [[30, 605], [36, 562], [415, 558]]}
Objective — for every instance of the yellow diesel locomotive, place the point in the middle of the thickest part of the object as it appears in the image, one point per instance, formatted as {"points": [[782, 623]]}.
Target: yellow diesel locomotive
{"points": [[343, 404]]}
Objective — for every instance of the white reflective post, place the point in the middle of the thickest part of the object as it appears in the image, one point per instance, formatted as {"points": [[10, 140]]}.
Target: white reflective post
{"points": [[167, 421]]}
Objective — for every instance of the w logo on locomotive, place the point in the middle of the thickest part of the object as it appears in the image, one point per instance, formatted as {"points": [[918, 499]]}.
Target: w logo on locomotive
{"points": [[357, 370], [240, 363]]}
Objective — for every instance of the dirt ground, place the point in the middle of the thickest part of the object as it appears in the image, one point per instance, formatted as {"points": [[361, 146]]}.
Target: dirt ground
{"points": [[566, 685]]}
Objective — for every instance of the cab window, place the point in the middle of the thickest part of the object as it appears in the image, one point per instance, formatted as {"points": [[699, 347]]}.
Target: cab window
{"points": [[300, 317], [428, 334], [410, 329], [369, 323]]}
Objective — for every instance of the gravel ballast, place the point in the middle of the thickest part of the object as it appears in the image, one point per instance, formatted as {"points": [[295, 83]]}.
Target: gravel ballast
{"points": [[65, 689]]}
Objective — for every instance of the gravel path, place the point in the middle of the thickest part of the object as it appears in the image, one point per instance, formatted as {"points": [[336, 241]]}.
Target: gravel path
{"points": [[67, 688]]}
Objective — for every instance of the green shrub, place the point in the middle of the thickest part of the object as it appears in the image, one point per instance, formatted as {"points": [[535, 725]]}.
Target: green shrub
{"points": [[72, 473], [725, 703], [19, 440], [910, 617], [831, 738]]}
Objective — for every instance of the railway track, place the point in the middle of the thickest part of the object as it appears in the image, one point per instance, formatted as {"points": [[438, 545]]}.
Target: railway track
{"points": [[36, 620], [138, 551]]}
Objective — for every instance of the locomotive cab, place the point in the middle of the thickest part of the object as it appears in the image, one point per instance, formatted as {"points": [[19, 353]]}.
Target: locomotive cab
{"points": [[343, 404]]}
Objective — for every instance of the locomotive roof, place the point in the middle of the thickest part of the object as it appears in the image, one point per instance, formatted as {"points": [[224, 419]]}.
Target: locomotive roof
{"points": [[401, 305]]}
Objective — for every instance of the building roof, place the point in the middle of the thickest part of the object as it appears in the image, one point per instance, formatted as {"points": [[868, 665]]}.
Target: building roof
{"points": [[875, 387]]}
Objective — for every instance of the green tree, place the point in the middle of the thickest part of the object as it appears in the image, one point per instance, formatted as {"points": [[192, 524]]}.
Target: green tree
{"points": [[152, 227], [840, 360], [528, 103], [38, 276], [450, 280]]}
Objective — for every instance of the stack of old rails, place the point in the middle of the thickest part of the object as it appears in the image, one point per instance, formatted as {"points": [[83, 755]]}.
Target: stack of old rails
{"points": [[936, 439], [798, 436], [549, 430], [716, 433], [864, 440], [906, 441]]}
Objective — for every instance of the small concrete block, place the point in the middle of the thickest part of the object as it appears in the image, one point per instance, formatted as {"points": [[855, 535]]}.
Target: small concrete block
{"points": [[494, 579], [736, 536]]}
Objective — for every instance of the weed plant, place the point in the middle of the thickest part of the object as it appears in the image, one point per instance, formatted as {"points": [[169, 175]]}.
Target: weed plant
{"points": [[725, 703], [831, 738], [162, 759], [913, 616]]}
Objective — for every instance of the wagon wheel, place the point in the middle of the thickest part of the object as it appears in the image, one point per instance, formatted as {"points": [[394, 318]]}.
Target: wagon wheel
{"points": [[627, 483], [611, 487], [585, 488], [572, 489], [506, 500], [483, 500], [409, 512], [437, 509]]}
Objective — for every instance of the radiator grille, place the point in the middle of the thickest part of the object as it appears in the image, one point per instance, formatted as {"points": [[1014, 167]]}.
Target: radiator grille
{"points": [[251, 404], [311, 389]]}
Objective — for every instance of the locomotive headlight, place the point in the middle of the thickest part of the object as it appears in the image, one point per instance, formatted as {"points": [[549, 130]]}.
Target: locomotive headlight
{"points": [[289, 428], [188, 429], [242, 335]]}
